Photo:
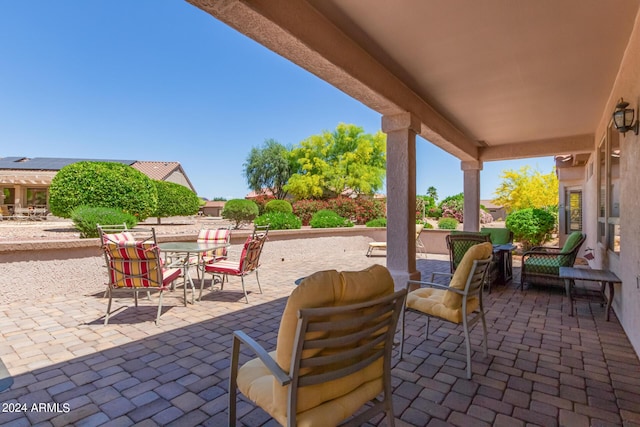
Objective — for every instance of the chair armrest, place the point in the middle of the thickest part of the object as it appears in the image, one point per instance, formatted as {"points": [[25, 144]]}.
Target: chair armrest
{"points": [[440, 273], [545, 249], [281, 376], [427, 285]]}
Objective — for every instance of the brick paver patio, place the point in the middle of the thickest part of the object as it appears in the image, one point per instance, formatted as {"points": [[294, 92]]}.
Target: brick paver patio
{"points": [[544, 368]]}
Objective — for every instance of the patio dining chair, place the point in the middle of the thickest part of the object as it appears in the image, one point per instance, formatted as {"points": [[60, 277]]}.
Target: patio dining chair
{"points": [[248, 263], [333, 353], [221, 235], [459, 302], [135, 266]]}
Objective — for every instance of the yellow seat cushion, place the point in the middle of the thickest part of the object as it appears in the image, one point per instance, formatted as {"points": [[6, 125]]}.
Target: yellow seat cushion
{"points": [[328, 403], [480, 251], [429, 301]]}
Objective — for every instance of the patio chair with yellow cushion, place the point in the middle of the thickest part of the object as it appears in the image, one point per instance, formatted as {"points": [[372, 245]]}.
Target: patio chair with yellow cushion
{"points": [[541, 265], [456, 302], [135, 266], [333, 352]]}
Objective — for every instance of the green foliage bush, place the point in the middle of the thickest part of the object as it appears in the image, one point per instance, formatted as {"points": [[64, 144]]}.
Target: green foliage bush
{"points": [[434, 213], [240, 211], [360, 210], [453, 207], [531, 226], [262, 201], [329, 219], [278, 206], [427, 225], [279, 221], [304, 209], [102, 184], [175, 200], [378, 222], [86, 218], [448, 223]]}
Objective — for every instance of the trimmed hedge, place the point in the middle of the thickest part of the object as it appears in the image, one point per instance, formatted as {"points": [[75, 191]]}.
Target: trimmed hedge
{"points": [[329, 219], [278, 206], [175, 200], [86, 219], [279, 221], [448, 223], [240, 211], [102, 184], [378, 222]]}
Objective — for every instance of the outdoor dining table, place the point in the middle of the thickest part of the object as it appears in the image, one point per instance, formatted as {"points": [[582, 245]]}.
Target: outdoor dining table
{"points": [[181, 253]]}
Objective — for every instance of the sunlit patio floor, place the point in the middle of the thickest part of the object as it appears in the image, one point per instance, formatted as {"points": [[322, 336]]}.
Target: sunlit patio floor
{"points": [[544, 367]]}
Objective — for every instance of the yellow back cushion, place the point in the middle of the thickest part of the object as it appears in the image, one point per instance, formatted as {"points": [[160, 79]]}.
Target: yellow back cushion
{"points": [[325, 289], [480, 251]]}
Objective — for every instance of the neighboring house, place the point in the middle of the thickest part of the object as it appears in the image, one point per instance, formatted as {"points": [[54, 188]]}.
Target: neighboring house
{"points": [[25, 182], [212, 208], [497, 212]]}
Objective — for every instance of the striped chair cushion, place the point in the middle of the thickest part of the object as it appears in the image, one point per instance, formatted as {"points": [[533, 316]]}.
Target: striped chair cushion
{"points": [[138, 265], [220, 235], [121, 237]]}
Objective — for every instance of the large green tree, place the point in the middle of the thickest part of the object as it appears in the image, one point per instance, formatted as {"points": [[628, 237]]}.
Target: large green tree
{"points": [[331, 163], [527, 188], [269, 167], [102, 184]]}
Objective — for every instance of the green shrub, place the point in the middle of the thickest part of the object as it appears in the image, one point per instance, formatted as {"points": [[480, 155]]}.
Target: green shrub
{"points": [[175, 200], [427, 225], [531, 226], [278, 206], [304, 209], [329, 219], [102, 184], [86, 218], [448, 223], [378, 222], [434, 213], [279, 221], [240, 211]]}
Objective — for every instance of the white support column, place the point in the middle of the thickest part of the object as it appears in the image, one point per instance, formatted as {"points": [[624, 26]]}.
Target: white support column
{"points": [[401, 130], [471, 171]]}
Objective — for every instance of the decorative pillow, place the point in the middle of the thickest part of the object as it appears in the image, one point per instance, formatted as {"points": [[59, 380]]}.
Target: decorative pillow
{"points": [[480, 251]]}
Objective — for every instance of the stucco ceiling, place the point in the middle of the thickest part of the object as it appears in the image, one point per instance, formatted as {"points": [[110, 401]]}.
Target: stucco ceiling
{"points": [[476, 73]]}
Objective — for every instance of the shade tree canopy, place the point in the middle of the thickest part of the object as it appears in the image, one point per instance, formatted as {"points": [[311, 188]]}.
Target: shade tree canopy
{"points": [[527, 188], [269, 168], [347, 160]]}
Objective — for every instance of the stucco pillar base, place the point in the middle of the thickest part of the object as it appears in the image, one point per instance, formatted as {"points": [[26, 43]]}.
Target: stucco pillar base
{"points": [[400, 278]]}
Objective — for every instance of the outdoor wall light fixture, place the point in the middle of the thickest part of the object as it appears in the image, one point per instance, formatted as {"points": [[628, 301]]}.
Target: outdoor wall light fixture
{"points": [[623, 118]]}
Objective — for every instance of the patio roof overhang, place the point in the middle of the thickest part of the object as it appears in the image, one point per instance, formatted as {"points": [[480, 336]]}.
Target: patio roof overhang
{"points": [[485, 79]]}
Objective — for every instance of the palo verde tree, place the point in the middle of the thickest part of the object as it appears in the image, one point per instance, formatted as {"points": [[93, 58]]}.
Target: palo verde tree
{"points": [[527, 188], [102, 184], [269, 167], [332, 163], [175, 200]]}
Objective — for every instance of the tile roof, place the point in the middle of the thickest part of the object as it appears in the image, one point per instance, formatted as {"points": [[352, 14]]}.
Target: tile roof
{"points": [[156, 170]]}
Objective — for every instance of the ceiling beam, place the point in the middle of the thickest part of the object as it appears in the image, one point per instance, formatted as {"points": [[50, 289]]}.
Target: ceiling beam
{"points": [[539, 148], [298, 32]]}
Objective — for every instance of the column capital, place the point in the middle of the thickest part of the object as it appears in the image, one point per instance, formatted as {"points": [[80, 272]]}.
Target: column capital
{"points": [[400, 121], [470, 165]]}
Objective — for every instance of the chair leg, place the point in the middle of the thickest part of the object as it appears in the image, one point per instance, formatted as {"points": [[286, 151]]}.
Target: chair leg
{"points": [[484, 334], [260, 287], [404, 311], [160, 305], [135, 297], [467, 342], [235, 352], [106, 317], [202, 284], [244, 289]]}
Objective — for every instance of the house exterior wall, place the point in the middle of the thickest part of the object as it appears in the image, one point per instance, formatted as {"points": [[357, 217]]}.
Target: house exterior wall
{"points": [[178, 178], [627, 264]]}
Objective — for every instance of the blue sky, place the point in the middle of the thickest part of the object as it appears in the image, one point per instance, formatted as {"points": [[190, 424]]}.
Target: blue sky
{"points": [[163, 80]]}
